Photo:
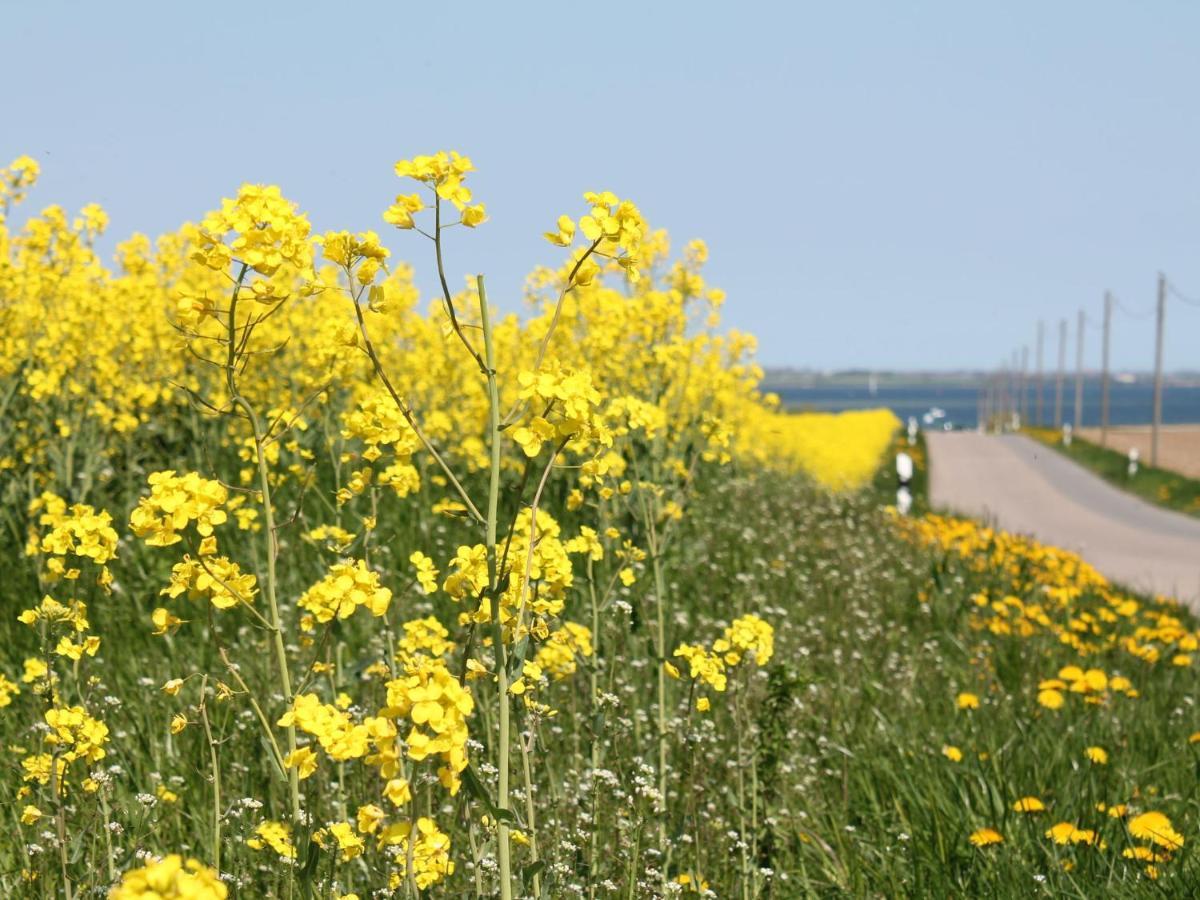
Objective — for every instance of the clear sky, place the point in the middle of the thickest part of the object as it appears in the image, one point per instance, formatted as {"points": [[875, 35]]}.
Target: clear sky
{"points": [[881, 184]]}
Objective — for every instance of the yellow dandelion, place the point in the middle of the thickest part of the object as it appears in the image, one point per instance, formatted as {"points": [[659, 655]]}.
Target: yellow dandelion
{"points": [[1051, 698], [1156, 828], [985, 837]]}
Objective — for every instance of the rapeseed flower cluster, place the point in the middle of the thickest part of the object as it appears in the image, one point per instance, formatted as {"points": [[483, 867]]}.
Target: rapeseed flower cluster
{"points": [[503, 494], [170, 878], [347, 587]]}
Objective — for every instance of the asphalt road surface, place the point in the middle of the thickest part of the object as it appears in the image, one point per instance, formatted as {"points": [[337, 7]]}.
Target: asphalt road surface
{"points": [[1019, 485]]}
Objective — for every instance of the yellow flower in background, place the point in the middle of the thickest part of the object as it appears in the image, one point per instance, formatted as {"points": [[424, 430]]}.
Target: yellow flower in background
{"points": [[7, 691], [967, 700], [1051, 698], [1029, 805], [427, 573], [397, 790], [473, 216], [171, 878], [952, 753], [275, 835], [346, 587], [401, 212], [565, 233], [303, 760], [841, 451], [1156, 828], [1062, 833], [175, 502], [1097, 755], [349, 844], [164, 622], [986, 837]]}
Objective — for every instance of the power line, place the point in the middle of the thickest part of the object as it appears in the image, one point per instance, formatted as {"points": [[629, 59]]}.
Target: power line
{"points": [[1132, 313], [1180, 296]]}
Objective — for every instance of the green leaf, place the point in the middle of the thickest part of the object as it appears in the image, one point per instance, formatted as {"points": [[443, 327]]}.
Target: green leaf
{"points": [[479, 792], [527, 872]]}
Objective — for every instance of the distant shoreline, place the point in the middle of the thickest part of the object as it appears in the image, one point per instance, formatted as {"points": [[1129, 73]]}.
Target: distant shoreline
{"points": [[1130, 403], [776, 379]]}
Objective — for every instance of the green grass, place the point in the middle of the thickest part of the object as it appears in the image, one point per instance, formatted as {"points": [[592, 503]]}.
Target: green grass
{"points": [[835, 753], [885, 483], [1161, 487]]}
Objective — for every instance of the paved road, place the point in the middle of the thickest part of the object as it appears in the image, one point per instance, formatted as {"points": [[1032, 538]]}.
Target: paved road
{"points": [[1022, 486]]}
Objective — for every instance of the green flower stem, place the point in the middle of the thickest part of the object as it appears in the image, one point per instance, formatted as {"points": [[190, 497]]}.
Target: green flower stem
{"points": [[503, 842], [216, 775], [285, 680]]}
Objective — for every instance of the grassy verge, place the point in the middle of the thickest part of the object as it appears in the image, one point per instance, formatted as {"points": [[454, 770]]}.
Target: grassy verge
{"points": [[1159, 486], [928, 677], [935, 679], [885, 483]]}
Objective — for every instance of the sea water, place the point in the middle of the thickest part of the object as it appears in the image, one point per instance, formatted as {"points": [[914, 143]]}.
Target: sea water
{"points": [[1129, 403]]}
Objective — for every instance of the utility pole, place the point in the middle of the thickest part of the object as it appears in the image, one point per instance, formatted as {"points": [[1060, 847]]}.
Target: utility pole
{"points": [[1041, 340], [1025, 386], [1011, 413], [1062, 371], [1079, 370], [1000, 396], [1104, 387], [1158, 367]]}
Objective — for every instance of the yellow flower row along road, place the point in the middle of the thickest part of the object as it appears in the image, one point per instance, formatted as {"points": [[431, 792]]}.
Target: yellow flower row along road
{"points": [[1062, 654], [323, 590]]}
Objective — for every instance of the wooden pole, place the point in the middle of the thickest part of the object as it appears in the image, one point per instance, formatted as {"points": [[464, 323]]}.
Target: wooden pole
{"points": [[1061, 374], [1158, 368], [1013, 375], [1041, 341], [1104, 385], [1024, 405], [1082, 324]]}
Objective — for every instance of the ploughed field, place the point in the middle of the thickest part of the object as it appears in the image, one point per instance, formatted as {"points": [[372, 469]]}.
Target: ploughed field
{"points": [[1178, 445]]}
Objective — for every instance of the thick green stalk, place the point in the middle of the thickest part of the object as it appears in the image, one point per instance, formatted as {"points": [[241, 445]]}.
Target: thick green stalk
{"points": [[741, 791], [503, 844], [594, 710], [660, 596], [285, 680], [216, 775], [530, 808]]}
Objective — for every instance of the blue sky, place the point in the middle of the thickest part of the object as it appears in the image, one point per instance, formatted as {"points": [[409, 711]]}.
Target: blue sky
{"points": [[880, 184]]}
